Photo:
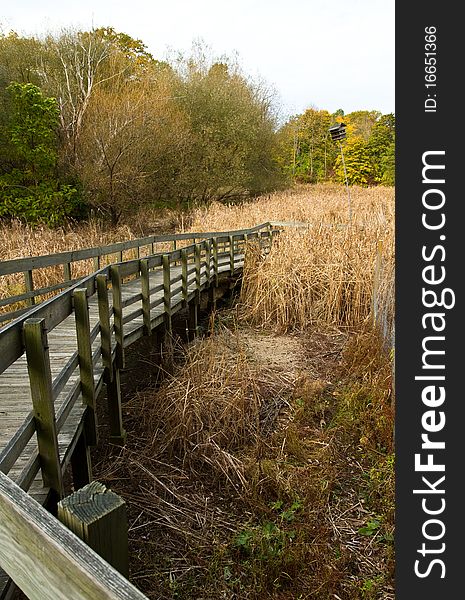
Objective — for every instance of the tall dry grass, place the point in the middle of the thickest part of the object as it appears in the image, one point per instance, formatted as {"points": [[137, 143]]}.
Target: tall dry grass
{"points": [[18, 240], [328, 272]]}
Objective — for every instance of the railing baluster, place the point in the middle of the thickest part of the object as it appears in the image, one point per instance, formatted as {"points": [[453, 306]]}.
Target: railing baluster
{"points": [[117, 314], [67, 274], [216, 266], [111, 374], [167, 290], [105, 328], [185, 290], [86, 367], [40, 379], [231, 254], [29, 282], [198, 250], [207, 260], [145, 285]]}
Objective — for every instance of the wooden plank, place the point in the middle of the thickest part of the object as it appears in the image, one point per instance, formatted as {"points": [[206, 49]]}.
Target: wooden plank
{"points": [[16, 444], [49, 562], [40, 378]]}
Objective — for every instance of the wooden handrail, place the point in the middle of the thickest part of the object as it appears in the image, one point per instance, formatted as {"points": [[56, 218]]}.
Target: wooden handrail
{"points": [[185, 273], [27, 265], [46, 560]]}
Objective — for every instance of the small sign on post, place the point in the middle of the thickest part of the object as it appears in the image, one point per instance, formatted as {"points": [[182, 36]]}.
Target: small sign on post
{"points": [[338, 134]]}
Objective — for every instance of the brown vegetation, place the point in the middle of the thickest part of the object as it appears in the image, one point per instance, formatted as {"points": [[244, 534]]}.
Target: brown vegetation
{"points": [[249, 482]]}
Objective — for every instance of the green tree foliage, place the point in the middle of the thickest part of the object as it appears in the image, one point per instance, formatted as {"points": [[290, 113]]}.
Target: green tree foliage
{"points": [[136, 131], [381, 146], [307, 154], [30, 190], [358, 164]]}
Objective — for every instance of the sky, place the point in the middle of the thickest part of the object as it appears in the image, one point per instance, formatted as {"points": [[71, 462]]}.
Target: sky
{"points": [[314, 53]]}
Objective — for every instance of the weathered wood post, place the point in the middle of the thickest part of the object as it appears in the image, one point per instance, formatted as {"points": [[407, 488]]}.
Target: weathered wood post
{"points": [[98, 516], [207, 244], [184, 286], [216, 266], [194, 305], [40, 378], [145, 284], [231, 254], [29, 283], [46, 560], [117, 314], [96, 260], [167, 290], [111, 372], [86, 366], [67, 274]]}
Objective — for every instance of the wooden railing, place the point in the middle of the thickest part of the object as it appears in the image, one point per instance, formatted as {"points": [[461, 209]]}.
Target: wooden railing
{"points": [[112, 307], [46, 560], [66, 260]]}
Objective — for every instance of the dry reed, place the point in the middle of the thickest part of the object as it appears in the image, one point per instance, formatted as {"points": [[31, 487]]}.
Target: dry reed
{"points": [[327, 272], [218, 403]]}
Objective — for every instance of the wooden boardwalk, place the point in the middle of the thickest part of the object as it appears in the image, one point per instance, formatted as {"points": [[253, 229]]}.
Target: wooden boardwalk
{"points": [[48, 387]]}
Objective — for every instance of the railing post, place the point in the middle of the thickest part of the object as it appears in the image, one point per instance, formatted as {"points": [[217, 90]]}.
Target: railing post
{"points": [[145, 285], [98, 516], [111, 373], [40, 378], [185, 290], [97, 263], [117, 314], [215, 261], [207, 260], [167, 290], [198, 250], [29, 282], [105, 328], [231, 254], [67, 271], [86, 366]]}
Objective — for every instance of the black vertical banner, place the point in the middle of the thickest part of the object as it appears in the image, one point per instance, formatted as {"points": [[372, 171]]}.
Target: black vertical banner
{"points": [[430, 332]]}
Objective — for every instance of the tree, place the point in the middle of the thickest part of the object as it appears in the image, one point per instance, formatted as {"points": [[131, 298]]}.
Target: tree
{"points": [[358, 164], [380, 145], [30, 189]]}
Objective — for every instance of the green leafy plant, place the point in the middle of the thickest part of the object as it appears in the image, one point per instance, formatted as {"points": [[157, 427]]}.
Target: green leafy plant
{"points": [[370, 528]]}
